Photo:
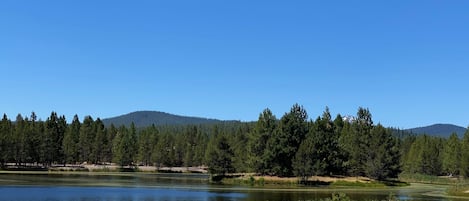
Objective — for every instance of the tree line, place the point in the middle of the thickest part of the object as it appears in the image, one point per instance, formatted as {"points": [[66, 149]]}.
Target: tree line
{"points": [[293, 145]]}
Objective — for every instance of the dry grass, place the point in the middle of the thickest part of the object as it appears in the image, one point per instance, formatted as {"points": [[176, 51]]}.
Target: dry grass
{"points": [[313, 178]]}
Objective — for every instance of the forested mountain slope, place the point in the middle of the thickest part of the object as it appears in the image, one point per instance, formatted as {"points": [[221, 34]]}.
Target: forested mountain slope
{"points": [[147, 118], [441, 130]]}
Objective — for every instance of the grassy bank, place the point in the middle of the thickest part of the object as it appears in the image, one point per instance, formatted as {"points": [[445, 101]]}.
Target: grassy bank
{"points": [[457, 186], [429, 179], [460, 189], [261, 181]]}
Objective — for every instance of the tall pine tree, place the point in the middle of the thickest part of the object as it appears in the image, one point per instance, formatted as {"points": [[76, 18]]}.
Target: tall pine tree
{"points": [[285, 142], [71, 140], [452, 155], [263, 130]]}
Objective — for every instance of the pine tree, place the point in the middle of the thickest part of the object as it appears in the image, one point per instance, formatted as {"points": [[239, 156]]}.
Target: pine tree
{"points": [[327, 141], [146, 142], [219, 155], [201, 146], [17, 140], [319, 152], [124, 146], [465, 154], [425, 156], [5, 133], [239, 143], [190, 138], [263, 130], [358, 142], [383, 155], [111, 134], [285, 142], [100, 142], [452, 155], [71, 141], [52, 151], [87, 136], [164, 150], [303, 162]]}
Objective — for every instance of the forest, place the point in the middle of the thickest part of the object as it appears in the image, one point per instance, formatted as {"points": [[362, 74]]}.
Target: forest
{"points": [[294, 145]]}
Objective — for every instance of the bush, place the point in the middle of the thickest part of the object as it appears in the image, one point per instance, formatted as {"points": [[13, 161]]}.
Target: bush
{"points": [[261, 181], [338, 197], [344, 197]]}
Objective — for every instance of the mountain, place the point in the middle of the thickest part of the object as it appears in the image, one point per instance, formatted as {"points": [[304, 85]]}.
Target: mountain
{"points": [[147, 118], [442, 130]]}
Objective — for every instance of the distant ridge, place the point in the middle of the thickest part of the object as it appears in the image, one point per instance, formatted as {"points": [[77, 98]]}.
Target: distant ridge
{"points": [[147, 118], [442, 130]]}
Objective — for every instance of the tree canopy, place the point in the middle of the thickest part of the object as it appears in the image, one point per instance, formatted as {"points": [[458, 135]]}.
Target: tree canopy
{"points": [[293, 145]]}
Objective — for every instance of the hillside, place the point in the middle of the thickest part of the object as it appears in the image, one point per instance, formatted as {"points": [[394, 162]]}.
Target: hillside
{"points": [[147, 118], [442, 130]]}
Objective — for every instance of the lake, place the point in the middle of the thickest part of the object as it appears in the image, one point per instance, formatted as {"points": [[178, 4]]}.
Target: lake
{"points": [[176, 187]]}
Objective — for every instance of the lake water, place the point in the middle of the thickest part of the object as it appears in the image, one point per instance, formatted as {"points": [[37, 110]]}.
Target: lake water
{"points": [[175, 187]]}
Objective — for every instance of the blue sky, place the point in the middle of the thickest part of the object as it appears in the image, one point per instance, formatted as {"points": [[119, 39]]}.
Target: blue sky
{"points": [[407, 61]]}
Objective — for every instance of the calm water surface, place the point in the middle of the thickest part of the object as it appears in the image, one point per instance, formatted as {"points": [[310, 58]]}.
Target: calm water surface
{"points": [[175, 187]]}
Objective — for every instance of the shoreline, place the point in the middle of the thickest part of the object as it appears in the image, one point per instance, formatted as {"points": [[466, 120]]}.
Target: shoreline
{"points": [[433, 190], [106, 168]]}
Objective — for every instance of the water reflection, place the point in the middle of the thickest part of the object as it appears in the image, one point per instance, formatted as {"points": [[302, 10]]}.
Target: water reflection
{"points": [[172, 187], [111, 194]]}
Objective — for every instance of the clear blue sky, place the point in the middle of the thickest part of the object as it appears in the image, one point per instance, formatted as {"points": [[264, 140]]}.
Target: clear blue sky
{"points": [[407, 61]]}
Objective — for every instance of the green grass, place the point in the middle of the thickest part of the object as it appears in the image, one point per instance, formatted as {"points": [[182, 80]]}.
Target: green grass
{"points": [[261, 182], [427, 179], [456, 186], [251, 181], [373, 184], [460, 189]]}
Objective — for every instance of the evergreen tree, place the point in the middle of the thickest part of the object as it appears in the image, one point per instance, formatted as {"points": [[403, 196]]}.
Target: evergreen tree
{"points": [[33, 137], [5, 133], [346, 146], [405, 147], [424, 156], [319, 152], [61, 129], [179, 149], [284, 144], [18, 139], [355, 142], [327, 140], [190, 138], [52, 151], [239, 143], [100, 142], [164, 150], [383, 155], [201, 146], [146, 143], [124, 146], [111, 134], [303, 162], [338, 124], [263, 130], [340, 159], [465, 154], [219, 155], [132, 143], [87, 136], [71, 141], [432, 156], [452, 155]]}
